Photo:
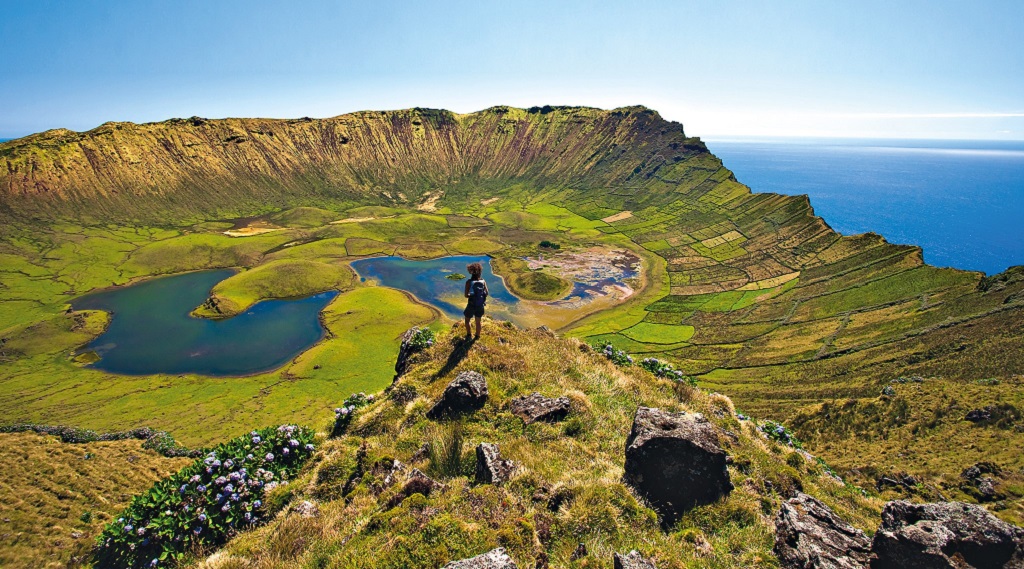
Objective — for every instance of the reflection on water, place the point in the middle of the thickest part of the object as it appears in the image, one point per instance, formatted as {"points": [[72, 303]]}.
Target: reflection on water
{"points": [[151, 330]]}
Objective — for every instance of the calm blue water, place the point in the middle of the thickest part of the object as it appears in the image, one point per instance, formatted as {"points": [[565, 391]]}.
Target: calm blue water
{"points": [[962, 201], [152, 332], [426, 280]]}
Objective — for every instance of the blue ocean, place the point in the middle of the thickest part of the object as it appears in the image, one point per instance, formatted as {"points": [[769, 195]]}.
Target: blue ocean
{"points": [[962, 201]]}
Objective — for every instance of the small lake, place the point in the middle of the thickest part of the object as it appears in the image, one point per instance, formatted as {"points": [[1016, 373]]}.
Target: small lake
{"points": [[152, 331], [426, 280], [598, 279]]}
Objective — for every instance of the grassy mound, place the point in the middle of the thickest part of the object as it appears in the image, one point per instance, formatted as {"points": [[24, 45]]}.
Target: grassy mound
{"points": [[531, 285], [56, 497], [567, 489], [537, 285], [276, 279]]}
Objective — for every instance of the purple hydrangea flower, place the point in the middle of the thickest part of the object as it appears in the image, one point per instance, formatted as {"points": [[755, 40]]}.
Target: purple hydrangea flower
{"points": [[201, 488], [310, 447], [269, 457]]}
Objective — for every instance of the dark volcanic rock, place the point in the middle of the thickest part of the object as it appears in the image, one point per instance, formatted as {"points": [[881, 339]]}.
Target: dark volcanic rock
{"points": [[466, 393], [675, 462], [405, 350], [945, 535], [536, 407], [633, 560], [490, 467], [979, 415], [417, 483], [808, 535], [493, 559]]}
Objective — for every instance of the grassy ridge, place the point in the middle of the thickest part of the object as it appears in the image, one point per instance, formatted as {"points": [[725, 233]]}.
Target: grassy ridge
{"points": [[55, 497], [567, 489]]}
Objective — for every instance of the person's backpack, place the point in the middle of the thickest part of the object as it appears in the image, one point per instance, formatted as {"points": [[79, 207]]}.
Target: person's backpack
{"points": [[477, 293]]}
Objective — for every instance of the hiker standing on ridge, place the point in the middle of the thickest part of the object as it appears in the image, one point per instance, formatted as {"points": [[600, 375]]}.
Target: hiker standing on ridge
{"points": [[476, 292]]}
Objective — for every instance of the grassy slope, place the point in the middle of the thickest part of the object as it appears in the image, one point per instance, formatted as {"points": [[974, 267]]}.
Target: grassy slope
{"points": [[784, 313], [580, 460], [55, 497]]}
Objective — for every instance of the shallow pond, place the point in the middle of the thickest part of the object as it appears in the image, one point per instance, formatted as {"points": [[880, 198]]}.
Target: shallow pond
{"points": [[599, 283], [151, 330]]}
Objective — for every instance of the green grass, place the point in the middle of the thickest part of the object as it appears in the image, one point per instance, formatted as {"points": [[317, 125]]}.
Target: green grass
{"points": [[364, 326], [276, 279], [649, 333]]}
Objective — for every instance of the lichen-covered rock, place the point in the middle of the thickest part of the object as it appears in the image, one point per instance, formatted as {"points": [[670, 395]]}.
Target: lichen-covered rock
{"points": [[466, 393], [490, 467], [674, 461], [808, 535], [535, 407], [633, 560], [493, 559], [950, 535]]}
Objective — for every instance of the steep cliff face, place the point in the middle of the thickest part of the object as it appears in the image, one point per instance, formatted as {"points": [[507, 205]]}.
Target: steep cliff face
{"points": [[192, 165]]}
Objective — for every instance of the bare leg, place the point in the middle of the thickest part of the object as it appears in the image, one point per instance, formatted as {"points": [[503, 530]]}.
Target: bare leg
{"points": [[477, 326], [467, 326]]}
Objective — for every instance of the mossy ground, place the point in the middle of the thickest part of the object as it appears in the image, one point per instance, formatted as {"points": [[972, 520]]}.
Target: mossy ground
{"points": [[55, 497]]}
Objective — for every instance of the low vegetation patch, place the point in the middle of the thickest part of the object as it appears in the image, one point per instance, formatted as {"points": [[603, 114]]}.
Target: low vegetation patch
{"points": [[276, 279], [205, 503]]}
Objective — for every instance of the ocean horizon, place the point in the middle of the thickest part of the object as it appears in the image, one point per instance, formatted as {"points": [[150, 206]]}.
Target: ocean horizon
{"points": [[962, 201]]}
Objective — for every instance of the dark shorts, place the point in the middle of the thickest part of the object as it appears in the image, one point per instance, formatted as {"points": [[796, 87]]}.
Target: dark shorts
{"points": [[472, 310]]}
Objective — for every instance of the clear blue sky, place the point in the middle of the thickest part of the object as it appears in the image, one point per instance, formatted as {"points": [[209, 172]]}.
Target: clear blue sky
{"points": [[932, 69]]}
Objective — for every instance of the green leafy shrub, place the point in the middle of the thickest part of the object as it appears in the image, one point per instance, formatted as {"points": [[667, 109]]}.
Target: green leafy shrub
{"points": [[343, 415], [779, 433], [160, 441], [664, 369], [550, 244], [618, 357], [421, 340], [205, 503]]}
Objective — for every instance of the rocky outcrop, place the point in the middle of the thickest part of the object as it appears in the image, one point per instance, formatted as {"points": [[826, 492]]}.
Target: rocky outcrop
{"points": [[808, 535], [979, 415], [633, 560], [465, 394], [535, 407], [674, 461], [950, 535], [490, 467], [493, 559], [405, 351]]}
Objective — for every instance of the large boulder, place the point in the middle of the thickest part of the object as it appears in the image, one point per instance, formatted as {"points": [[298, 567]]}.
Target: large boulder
{"points": [[493, 559], [633, 560], [535, 407], [490, 467], [674, 461], [466, 393], [808, 535], [950, 535]]}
